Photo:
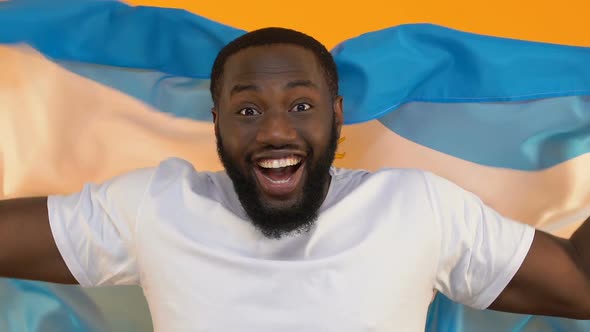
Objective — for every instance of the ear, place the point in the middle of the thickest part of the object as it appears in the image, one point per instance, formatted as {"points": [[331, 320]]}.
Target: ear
{"points": [[214, 113], [215, 120], [338, 113]]}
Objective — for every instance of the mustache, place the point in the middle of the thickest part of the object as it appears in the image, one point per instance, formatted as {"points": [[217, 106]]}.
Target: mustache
{"points": [[271, 148], [274, 147]]}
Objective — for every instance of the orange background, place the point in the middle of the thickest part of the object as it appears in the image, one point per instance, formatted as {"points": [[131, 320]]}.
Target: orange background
{"points": [[562, 22]]}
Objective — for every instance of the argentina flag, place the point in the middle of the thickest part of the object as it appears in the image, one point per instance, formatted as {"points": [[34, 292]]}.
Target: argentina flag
{"points": [[92, 89]]}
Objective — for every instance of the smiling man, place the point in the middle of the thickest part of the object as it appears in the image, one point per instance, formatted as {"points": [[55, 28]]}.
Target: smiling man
{"points": [[277, 121], [282, 240]]}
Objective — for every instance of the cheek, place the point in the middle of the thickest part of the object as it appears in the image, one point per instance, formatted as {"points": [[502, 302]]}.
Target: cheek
{"points": [[318, 134], [235, 137]]}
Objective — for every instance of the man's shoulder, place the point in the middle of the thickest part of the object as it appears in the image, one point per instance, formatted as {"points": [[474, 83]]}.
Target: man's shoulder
{"points": [[174, 171], [175, 164], [385, 174], [386, 181], [177, 168]]}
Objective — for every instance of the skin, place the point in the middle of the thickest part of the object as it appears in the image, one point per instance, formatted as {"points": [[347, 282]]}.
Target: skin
{"points": [[27, 247], [553, 280]]}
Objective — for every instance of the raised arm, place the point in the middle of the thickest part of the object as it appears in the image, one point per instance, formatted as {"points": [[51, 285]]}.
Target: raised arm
{"points": [[27, 246], [554, 279]]}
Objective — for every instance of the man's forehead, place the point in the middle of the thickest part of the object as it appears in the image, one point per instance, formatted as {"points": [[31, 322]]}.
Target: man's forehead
{"points": [[288, 61]]}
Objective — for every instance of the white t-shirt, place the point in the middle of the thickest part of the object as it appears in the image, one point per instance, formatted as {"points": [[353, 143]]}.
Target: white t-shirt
{"points": [[382, 243]]}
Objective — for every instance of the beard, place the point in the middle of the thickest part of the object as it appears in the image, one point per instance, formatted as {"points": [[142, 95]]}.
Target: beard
{"points": [[274, 222]]}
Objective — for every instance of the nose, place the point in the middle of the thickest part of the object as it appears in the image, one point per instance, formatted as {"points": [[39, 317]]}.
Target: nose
{"points": [[276, 129]]}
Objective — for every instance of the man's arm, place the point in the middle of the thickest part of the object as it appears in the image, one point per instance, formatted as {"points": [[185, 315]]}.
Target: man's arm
{"points": [[554, 279], [27, 246]]}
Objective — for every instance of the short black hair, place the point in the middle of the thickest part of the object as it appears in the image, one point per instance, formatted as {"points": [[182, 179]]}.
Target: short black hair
{"points": [[272, 36]]}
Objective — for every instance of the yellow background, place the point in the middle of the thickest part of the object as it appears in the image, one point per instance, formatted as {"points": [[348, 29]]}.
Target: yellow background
{"points": [[562, 22]]}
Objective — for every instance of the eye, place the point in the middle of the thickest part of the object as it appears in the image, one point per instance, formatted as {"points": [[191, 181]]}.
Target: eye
{"points": [[301, 107], [249, 111]]}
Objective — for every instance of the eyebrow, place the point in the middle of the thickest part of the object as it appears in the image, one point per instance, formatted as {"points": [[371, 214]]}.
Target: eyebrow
{"points": [[243, 87], [302, 83], [291, 85]]}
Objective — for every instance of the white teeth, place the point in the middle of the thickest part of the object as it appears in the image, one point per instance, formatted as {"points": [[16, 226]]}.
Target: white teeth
{"points": [[278, 181], [278, 163]]}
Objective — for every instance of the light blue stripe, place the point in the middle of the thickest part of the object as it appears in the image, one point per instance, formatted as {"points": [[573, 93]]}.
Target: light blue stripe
{"points": [[180, 96], [527, 135], [27, 306], [445, 315]]}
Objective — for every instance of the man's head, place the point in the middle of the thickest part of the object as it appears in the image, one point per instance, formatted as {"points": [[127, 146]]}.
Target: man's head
{"points": [[277, 117]]}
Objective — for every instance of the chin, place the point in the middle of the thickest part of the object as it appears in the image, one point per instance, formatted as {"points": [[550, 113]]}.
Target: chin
{"points": [[284, 204]]}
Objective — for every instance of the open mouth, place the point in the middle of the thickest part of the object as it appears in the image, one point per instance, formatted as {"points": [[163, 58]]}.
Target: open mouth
{"points": [[279, 176]]}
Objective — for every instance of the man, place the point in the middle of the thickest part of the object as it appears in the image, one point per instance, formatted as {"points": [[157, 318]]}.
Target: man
{"points": [[283, 241]]}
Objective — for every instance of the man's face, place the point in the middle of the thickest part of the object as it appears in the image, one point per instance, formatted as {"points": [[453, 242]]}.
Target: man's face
{"points": [[277, 127]]}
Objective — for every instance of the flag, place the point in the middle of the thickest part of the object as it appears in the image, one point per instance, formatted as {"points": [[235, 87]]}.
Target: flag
{"points": [[92, 89]]}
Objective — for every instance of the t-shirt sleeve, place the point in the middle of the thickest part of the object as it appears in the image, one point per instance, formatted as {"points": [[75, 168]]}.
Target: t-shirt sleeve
{"points": [[480, 250], [94, 229]]}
